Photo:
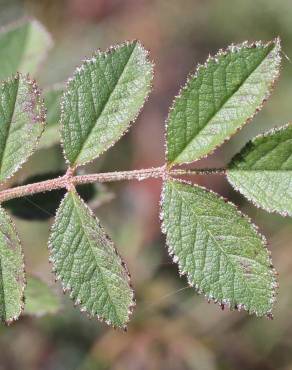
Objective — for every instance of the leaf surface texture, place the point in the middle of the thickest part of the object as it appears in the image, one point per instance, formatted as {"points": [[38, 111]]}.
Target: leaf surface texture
{"points": [[262, 171], [22, 119], [104, 96], [217, 248], [86, 262], [12, 280], [219, 99]]}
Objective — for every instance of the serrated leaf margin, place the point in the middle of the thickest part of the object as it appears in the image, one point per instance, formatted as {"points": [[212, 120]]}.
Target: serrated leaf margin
{"points": [[192, 75], [245, 147], [42, 117], [67, 289], [78, 70], [15, 318], [222, 303]]}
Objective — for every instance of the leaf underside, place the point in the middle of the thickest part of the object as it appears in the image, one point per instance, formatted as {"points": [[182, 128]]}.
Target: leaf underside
{"points": [[217, 248], [23, 48], [12, 280], [86, 262], [22, 119], [39, 298], [219, 99], [262, 171], [104, 96]]}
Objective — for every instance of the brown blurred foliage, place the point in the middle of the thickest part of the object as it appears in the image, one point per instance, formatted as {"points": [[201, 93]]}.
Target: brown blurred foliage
{"points": [[172, 328]]}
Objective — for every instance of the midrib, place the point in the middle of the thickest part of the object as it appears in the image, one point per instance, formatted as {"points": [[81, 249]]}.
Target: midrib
{"points": [[219, 109], [104, 106], [93, 253], [9, 123], [234, 267]]}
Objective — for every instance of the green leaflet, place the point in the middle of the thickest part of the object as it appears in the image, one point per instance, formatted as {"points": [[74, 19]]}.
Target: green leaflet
{"points": [[12, 279], [104, 96], [217, 248], [86, 262], [262, 171], [51, 135], [219, 99], [39, 298], [22, 119], [23, 48]]}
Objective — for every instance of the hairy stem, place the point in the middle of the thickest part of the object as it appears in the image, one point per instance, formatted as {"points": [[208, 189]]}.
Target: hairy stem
{"points": [[69, 180]]}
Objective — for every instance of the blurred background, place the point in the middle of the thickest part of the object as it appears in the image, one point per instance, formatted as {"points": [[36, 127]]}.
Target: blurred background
{"points": [[172, 327]]}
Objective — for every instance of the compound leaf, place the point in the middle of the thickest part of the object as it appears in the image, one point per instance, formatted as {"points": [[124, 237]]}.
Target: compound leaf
{"points": [[22, 119], [22, 48], [262, 171], [104, 96], [219, 99], [217, 248], [39, 298], [12, 279], [87, 263]]}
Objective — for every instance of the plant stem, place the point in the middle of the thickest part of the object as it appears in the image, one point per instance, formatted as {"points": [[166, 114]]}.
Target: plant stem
{"points": [[69, 180]]}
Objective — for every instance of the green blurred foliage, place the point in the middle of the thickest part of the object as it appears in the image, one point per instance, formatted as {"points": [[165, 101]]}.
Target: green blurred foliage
{"points": [[39, 298], [172, 328]]}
